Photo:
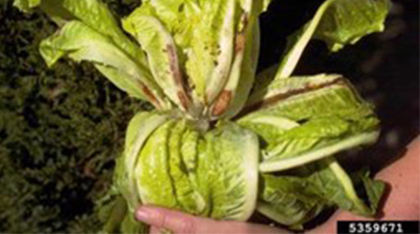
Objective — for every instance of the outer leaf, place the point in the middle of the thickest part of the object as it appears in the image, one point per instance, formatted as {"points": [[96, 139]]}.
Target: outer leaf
{"points": [[269, 90], [242, 73], [338, 188], [347, 21], [131, 225], [139, 130], [276, 164], [161, 173], [373, 188], [220, 74], [240, 84], [220, 180], [203, 31], [162, 55], [289, 98], [266, 3], [335, 120], [337, 22], [234, 175], [123, 82], [96, 15], [80, 42], [299, 196], [26, 5], [185, 190], [151, 172], [112, 210], [210, 53], [270, 128], [93, 13], [122, 221], [189, 150], [201, 174], [288, 201]]}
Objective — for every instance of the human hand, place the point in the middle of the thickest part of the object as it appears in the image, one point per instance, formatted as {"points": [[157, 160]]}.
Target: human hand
{"points": [[178, 222]]}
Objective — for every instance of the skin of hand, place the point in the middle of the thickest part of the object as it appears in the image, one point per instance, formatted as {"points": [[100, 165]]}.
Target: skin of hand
{"points": [[181, 223], [400, 203]]}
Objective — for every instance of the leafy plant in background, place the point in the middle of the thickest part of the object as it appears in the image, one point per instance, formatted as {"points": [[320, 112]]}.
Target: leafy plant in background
{"points": [[223, 141]]}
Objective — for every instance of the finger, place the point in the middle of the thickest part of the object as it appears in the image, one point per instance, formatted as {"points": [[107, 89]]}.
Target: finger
{"points": [[167, 219], [258, 229], [180, 223], [155, 230]]}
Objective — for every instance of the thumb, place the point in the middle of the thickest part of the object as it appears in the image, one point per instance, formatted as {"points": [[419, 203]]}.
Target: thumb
{"points": [[174, 221], [181, 223]]}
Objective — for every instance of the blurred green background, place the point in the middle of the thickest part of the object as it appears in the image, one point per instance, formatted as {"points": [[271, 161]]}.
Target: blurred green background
{"points": [[62, 128]]}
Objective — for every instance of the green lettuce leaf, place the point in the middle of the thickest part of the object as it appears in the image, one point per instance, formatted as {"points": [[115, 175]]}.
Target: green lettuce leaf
{"points": [[113, 212], [225, 32], [151, 172], [185, 189], [295, 133], [374, 189], [303, 193], [288, 98], [197, 28], [338, 188], [269, 127], [242, 76], [80, 42], [217, 46], [162, 175], [337, 23], [26, 5], [288, 200], [233, 180], [139, 130], [95, 15], [162, 53], [214, 175]]}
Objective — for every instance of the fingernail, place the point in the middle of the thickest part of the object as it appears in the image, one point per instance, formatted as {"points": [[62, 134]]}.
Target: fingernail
{"points": [[143, 215]]}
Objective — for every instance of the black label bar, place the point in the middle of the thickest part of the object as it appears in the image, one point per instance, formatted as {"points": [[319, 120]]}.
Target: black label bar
{"points": [[378, 227]]}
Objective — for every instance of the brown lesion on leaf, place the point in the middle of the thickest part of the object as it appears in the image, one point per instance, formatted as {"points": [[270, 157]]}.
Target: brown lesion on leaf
{"points": [[265, 103], [150, 96], [222, 103], [184, 99], [173, 64], [239, 43], [241, 35], [180, 83]]}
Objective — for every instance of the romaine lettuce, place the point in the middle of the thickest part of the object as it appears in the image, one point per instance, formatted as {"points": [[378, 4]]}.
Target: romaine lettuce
{"points": [[225, 141]]}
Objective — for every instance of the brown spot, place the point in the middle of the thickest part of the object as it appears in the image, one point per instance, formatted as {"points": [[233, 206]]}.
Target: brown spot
{"points": [[173, 63], [150, 96], [180, 83], [283, 96], [222, 103], [239, 43], [184, 99], [240, 37]]}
